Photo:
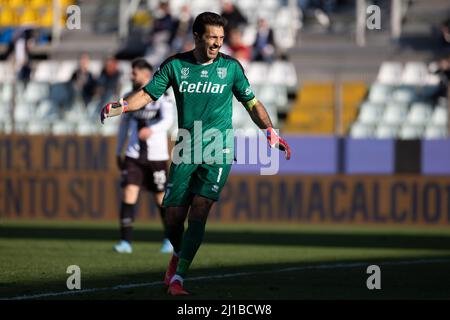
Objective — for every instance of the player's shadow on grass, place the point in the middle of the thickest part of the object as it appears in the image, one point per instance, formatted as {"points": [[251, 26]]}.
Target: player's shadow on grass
{"points": [[244, 237], [343, 279]]}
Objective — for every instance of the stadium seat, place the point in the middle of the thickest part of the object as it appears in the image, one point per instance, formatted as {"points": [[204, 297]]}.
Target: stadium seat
{"points": [[23, 112], [14, 4], [110, 128], [360, 131], [21, 127], [125, 69], [370, 113], [415, 73], [439, 116], [404, 94], [36, 91], [390, 73], [7, 72], [394, 114], [379, 93], [436, 132], [283, 73], [96, 66], [281, 101], [432, 80], [65, 70], [63, 128], [85, 129], [38, 127], [419, 114], [46, 19], [385, 131], [76, 113], [45, 71], [239, 114], [40, 3], [28, 17], [5, 126], [6, 92], [286, 24], [257, 73], [268, 94], [249, 35], [126, 88], [47, 110], [8, 17], [408, 132]]}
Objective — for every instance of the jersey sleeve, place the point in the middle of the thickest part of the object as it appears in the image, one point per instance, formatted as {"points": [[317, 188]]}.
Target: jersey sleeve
{"points": [[241, 87], [160, 83]]}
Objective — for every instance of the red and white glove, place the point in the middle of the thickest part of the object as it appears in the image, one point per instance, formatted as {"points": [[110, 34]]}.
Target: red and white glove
{"points": [[275, 141], [113, 109]]}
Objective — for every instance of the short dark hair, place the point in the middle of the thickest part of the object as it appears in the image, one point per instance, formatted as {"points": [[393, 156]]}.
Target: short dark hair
{"points": [[141, 63], [207, 18]]}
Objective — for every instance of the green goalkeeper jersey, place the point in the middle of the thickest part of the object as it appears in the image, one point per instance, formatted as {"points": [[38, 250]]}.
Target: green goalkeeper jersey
{"points": [[203, 93]]}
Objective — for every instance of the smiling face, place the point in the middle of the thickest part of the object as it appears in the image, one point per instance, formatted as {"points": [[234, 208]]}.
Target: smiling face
{"points": [[207, 45]]}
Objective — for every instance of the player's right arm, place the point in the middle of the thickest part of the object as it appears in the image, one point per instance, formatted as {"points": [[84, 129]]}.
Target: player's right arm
{"points": [[137, 100]]}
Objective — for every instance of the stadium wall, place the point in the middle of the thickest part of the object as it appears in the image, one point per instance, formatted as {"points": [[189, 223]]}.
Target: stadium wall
{"points": [[328, 180]]}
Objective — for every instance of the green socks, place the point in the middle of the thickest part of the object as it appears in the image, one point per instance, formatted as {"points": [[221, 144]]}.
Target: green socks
{"points": [[192, 240]]}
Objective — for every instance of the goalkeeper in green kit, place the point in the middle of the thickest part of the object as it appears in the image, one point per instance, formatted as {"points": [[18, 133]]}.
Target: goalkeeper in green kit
{"points": [[204, 82]]}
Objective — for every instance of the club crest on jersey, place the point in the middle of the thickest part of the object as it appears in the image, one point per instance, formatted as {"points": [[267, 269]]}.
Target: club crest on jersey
{"points": [[222, 73], [184, 73]]}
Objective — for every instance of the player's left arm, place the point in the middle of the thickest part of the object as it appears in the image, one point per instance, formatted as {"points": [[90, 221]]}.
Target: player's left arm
{"points": [[243, 93], [261, 118]]}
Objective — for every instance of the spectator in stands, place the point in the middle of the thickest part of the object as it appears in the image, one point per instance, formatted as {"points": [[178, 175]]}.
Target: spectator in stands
{"points": [[445, 31], [320, 9], [264, 45], [82, 82], [23, 40], [237, 48], [108, 84], [234, 18], [441, 68], [164, 25], [182, 34]]}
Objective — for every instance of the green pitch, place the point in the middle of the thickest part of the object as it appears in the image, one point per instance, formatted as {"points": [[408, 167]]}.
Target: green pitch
{"points": [[235, 262]]}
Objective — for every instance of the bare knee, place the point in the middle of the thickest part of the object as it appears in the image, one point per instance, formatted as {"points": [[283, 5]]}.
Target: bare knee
{"points": [[130, 194]]}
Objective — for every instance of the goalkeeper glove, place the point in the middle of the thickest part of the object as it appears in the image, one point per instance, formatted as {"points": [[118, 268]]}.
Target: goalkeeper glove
{"points": [[113, 109], [276, 142]]}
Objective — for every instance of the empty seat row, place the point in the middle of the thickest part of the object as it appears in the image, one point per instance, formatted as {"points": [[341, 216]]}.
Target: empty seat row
{"points": [[411, 73], [405, 131], [395, 113]]}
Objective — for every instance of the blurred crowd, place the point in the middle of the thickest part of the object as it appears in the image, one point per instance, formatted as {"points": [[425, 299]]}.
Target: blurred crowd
{"points": [[83, 84], [441, 67], [175, 32]]}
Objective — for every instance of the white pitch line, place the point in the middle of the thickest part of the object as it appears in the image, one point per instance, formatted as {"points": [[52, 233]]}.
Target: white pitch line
{"points": [[230, 275]]}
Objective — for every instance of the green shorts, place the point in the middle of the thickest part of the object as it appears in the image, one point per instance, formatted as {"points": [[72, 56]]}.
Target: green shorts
{"points": [[186, 180]]}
